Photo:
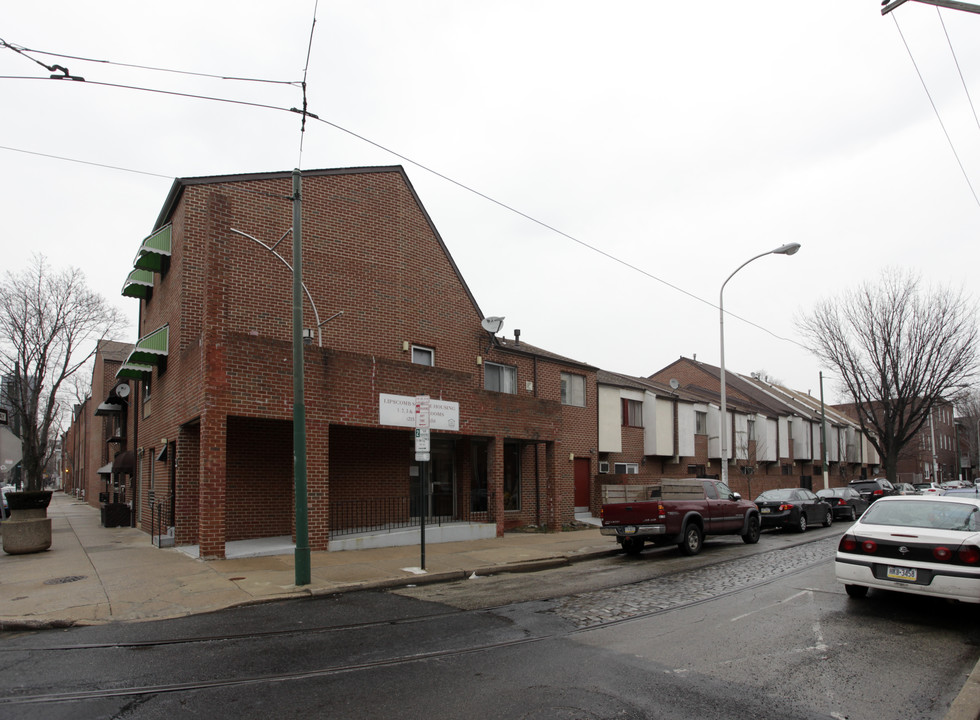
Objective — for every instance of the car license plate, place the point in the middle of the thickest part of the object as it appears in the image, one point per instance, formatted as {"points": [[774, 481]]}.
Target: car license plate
{"points": [[764, 511], [900, 573], [629, 529]]}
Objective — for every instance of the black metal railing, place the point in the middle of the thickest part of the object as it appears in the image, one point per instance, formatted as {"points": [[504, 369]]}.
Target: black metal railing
{"points": [[369, 515], [162, 524]]}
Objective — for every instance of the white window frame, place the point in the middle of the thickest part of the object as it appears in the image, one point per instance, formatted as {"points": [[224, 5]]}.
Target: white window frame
{"points": [[626, 468], [700, 422], [422, 350], [572, 389], [504, 372]]}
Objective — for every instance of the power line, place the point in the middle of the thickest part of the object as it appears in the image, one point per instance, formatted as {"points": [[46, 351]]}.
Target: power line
{"points": [[936, 110], [958, 69]]}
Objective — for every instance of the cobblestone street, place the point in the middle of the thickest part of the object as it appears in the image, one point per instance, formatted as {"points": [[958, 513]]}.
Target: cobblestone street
{"points": [[690, 586]]}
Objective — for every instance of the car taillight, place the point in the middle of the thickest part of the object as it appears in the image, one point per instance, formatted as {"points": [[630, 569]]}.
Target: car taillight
{"points": [[877, 492], [869, 546], [661, 513], [942, 554], [969, 554], [842, 501], [847, 544], [785, 506]]}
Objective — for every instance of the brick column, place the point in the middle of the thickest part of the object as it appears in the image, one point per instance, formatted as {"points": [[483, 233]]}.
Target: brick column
{"points": [[495, 481], [551, 463]]}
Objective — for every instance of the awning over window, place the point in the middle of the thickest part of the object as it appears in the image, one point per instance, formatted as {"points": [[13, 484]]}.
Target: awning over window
{"points": [[105, 470], [150, 349], [153, 250], [108, 409], [138, 284], [124, 462], [133, 371]]}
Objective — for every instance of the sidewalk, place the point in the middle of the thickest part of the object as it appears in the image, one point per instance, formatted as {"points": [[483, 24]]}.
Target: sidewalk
{"points": [[95, 575]]}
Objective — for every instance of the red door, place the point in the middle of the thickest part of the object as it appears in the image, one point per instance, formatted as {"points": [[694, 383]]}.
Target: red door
{"points": [[583, 472]]}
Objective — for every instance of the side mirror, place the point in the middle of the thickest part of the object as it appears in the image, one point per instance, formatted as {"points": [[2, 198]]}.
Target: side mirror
{"points": [[736, 496]]}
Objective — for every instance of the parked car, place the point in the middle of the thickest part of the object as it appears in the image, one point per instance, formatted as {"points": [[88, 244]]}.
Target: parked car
{"points": [[928, 488], [874, 488], [906, 489], [793, 509], [919, 544], [846, 502], [972, 491]]}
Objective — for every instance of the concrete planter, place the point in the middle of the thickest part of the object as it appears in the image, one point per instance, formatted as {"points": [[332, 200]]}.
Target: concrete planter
{"points": [[28, 529]]}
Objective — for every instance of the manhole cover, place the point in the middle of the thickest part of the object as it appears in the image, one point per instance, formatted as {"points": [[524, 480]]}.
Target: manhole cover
{"points": [[61, 580]]}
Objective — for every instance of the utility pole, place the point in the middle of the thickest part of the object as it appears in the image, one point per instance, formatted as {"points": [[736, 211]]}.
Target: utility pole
{"points": [[302, 552], [823, 437], [890, 5]]}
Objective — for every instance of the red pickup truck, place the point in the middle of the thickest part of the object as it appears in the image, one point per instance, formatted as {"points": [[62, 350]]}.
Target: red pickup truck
{"points": [[681, 512]]}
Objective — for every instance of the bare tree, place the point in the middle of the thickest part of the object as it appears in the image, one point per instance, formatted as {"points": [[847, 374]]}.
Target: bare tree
{"points": [[50, 325], [898, 350]]}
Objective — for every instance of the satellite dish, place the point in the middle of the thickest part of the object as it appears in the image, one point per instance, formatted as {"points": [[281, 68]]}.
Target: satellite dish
{"points": [[122, 390], [674, 384], [492, 324]]}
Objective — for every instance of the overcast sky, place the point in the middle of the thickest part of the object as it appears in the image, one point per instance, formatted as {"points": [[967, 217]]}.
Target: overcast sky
{"points": [[667, 142]]}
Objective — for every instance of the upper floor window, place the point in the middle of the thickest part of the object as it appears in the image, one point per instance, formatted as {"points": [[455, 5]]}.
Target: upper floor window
{"points": [[500, 378], [751, 429], [700, 423], [423, 355], [632, 413], [572, 389]]}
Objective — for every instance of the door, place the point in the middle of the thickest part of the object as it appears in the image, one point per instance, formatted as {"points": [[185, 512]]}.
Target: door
{"points": [[583, 472]]}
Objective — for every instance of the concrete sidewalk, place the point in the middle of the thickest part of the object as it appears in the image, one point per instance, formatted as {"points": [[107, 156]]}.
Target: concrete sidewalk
{"points": [[94, 574]]}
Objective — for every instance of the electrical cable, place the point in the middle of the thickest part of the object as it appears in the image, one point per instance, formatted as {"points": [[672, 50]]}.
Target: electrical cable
{"points": [[936, 110], [958, 68]]}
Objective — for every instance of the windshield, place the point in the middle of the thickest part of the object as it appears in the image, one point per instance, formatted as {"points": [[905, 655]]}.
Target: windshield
{"points": [[924, 514], [832, 492], [785, 494]]}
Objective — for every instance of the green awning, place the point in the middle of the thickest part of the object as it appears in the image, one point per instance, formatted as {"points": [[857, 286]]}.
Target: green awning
{"points": [[150, 348], [138, 284], [153, 250], [133, 371]]}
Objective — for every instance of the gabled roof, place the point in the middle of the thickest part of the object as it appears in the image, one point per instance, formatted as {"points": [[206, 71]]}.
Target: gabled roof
{"points": [[523, 348], [180, 184], [813, 404]]}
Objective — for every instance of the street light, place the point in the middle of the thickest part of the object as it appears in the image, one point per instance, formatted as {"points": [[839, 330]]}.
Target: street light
{"points": [[787, 249]]}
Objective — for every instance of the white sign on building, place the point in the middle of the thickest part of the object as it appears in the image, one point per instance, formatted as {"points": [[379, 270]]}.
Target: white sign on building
{"points": [[399, 410]]}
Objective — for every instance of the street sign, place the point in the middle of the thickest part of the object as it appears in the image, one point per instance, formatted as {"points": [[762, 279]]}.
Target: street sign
{"points": [[422, 408], [3, 416], [422, 457], [422, 440]]}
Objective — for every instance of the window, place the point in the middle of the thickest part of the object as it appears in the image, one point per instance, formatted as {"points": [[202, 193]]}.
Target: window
{"points": [[751, 430], [572, 389], [700, 423], [500, 378], [146, 395], [697, 470], [632, 413], [626, 469], [423, 355]]}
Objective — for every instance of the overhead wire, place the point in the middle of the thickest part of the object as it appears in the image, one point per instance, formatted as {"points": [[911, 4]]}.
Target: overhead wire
{"points": [[936, 111], [306, 69], [958, 68], [305, 113]]}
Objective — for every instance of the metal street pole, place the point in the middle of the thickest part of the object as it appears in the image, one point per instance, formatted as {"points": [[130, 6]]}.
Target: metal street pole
{"points": [[302, 552], [787, 249], [823, 437]]}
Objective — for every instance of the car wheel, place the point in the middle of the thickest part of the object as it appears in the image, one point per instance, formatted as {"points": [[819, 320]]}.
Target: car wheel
{"points": [[856, 591], [754, 530], [801, 523], [829, 520], [633, 545], [693, 540], [854, 513]]}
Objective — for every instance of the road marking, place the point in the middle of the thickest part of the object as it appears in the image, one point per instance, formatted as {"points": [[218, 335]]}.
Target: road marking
{"points": [[786, 600]]}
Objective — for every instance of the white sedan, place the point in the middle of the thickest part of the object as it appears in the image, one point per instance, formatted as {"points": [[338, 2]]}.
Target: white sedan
{"points": [[920, 544]]}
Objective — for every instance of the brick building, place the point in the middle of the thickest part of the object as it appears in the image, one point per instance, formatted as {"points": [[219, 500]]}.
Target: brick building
{"points": [[514, 426]]}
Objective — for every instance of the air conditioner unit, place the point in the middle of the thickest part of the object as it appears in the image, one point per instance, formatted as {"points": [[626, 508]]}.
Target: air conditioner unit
{"points": [[604, 468]]}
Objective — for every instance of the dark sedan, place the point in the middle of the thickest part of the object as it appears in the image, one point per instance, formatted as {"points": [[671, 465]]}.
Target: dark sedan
{"points": [[793, 508], [846, 503]]}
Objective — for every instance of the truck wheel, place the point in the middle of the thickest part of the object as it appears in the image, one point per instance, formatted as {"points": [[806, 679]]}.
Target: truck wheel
{"points": [[754, 530], [632, 545], [693, 540], [829, 520]]}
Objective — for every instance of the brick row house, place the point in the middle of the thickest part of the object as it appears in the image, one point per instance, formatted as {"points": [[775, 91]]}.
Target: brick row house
{"points": [[669, 425], [390, 318]]}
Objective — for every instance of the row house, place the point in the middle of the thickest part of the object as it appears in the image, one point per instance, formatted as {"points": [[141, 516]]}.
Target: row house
{"points": [[388, 317], [669, 425]]}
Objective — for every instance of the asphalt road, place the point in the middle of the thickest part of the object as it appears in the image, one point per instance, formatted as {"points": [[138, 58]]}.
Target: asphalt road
{"points": [[739, 632]]}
